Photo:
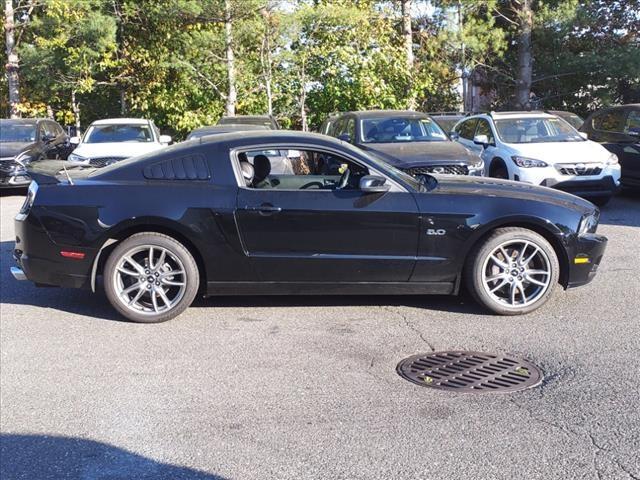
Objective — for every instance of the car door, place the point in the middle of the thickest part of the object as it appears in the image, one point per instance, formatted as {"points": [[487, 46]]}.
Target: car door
{"points": [[629, 151], [304, 228]]}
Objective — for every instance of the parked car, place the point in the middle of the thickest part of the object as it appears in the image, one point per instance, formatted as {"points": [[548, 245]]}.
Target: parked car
{"points": [[114, 139], [541, 149], [27, 140], [266, 120], [410, 141], [447, 120], [618, 130], [233, 228], [328, 123], [571, 118], [226, 128]]}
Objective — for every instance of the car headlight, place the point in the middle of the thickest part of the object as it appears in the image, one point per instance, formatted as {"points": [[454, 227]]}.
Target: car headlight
{"points": [[479, 164], [612, 159], [74, 157], [589, 223], [525, 162]]}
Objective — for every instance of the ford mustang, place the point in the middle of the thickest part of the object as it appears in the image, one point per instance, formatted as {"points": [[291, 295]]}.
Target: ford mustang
{"points": [[210, 217]]}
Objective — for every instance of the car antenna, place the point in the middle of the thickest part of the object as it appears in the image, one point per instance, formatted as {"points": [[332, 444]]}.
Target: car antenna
{"points": [[67, 174]]}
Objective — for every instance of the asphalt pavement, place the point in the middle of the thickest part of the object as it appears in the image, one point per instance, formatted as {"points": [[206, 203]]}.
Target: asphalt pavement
{"points": [[306, 387]]}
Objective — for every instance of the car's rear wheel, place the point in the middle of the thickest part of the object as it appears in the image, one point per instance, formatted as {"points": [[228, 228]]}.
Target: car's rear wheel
{"points": [[514, 271], [150, 278]]}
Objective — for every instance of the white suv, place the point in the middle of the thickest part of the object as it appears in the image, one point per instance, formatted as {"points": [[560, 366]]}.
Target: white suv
{"points": [[114, 139], [541, 149]]}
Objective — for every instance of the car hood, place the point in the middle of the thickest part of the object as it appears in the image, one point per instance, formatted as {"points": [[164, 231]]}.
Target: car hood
{"points": [[507, 189], [563, 152], [415, 154], [115, 149], [11, 149]]}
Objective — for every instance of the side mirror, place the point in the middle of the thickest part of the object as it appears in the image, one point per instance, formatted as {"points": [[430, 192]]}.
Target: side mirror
{"points": [[374, 184], [584, 135], [345, 137], [481, 140], [166, 139], [454, 135], [74, 140]]}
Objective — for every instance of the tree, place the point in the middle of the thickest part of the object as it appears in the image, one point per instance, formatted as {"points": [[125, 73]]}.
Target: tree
{"points": [[525, 59], [407, 34]]}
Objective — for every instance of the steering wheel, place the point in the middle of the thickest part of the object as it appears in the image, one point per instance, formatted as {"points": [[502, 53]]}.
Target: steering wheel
{"points": [[344, 180], [311, 184]]}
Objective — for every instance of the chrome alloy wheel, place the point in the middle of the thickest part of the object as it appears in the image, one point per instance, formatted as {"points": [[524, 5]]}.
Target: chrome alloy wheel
{"points": [[517, 273], [149, 280]]}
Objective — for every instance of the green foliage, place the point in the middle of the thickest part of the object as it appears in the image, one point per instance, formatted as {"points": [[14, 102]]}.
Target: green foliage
{"points": [[166, 59]]}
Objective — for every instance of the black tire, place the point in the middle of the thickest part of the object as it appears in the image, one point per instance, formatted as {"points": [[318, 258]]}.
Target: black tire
{"points": [[600, 201], [499, 170], [478, 263], [177, 254]]}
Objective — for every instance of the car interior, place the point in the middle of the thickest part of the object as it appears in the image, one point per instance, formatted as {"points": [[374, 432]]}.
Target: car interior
{"points": [[309, 170]]}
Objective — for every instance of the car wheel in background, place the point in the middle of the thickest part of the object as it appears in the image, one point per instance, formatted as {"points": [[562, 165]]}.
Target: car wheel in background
{"points": [[499, 170], [514, 271], [150, 278]]}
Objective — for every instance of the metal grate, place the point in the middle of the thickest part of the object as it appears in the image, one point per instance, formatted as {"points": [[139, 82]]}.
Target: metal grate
{"points": [[440, 169], [470, 372], [579, 169], [104, 161]]}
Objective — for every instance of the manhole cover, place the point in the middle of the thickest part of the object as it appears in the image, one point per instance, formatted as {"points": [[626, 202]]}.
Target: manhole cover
{"points": [[471, 372]]}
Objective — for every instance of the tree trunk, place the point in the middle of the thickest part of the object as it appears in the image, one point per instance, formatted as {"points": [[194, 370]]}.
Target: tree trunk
{"points": [[407, 36], [265, 59], [13, 64], [525, 60], [123, 102], [230, 107], [75, 107]]}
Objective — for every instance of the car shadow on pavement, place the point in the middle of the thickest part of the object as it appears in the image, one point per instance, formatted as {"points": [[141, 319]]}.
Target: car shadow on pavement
{"points": [[46, 457], [623, 210]]}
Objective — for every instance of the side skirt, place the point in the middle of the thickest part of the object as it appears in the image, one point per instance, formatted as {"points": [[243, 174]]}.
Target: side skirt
{"points": [[322, 288]]}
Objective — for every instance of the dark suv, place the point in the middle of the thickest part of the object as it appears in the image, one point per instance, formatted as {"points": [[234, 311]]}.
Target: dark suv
{"points": [[26, 140], [410, 141], [618, 130]]}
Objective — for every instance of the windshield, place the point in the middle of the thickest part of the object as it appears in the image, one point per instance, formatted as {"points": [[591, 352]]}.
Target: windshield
{"points": [[536, 130], [118, 133], [17, 132], [401, 129]]}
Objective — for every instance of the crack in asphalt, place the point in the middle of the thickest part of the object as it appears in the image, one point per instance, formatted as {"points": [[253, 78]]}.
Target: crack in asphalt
{"points": [[595, 448], [409, 325]]}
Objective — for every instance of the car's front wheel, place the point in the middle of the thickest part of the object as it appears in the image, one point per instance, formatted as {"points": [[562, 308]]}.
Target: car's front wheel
{"points": [[514, 271], [150, 278]]}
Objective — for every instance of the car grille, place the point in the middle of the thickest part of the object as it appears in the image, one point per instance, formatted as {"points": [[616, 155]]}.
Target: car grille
{"points": [[9, 166], [579, 169], [104, 161], [441, 169]]}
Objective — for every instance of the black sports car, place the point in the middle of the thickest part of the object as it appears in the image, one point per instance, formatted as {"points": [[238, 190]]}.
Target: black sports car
{"points": [[26, 140], [410, 141], [208, 216]]}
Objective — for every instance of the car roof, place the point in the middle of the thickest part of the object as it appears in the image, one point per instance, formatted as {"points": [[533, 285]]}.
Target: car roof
{"points": [[24, 120], [385, 113], [231, 127], [497, 115], [121, 121]]}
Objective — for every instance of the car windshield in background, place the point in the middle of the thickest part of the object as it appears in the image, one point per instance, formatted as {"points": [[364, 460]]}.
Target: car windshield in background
{"points": [[118, 133], [399, 129], [536, 130], [574, 120], [17, 132]]}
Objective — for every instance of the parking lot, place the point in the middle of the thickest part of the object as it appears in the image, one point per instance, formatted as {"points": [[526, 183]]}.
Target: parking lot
{"points": [[306, 387]]}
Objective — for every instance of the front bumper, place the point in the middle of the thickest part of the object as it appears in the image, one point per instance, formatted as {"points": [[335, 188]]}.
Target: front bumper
{"points": [[14, 179], [605, 183], [584, 258], [603, 187]]}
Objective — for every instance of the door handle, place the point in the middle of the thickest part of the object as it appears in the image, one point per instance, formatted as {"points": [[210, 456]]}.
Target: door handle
{"points": [[265, 209]]}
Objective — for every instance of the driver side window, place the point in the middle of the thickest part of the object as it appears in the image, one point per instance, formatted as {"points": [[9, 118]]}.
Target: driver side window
{"points": [[293, 169]]}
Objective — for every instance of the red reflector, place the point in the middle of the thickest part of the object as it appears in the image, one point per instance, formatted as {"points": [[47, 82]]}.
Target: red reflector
{"points": [[74, 255]]}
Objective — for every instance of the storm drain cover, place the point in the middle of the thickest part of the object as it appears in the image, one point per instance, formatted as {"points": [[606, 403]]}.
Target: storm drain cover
{"points": [[470, 372]]}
